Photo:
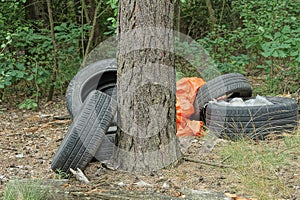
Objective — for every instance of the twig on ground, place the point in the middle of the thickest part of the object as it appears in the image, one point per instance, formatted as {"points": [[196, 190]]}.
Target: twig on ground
{"points": [[65, 117], [225, 159], [207, 163]]}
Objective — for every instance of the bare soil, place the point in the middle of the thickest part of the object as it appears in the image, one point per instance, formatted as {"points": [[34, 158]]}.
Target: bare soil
{"points": [[29, 139]]}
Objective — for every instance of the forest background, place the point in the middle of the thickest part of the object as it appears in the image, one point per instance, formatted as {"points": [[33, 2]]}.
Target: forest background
{"points": [[44, 43]]}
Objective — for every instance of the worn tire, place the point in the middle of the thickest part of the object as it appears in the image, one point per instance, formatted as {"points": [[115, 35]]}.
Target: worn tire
{"points": [[236, 122], [106, 149], [233, 85], [100, 75], [86, 132]]}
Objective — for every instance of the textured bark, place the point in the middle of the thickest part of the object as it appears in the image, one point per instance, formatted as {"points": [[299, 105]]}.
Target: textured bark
{"points": [[146, 138]]}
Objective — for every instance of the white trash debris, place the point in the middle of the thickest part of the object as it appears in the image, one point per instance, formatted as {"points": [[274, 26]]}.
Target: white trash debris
{"points": [[121, 184], [258, 101], [142, 183], [80, 175]]}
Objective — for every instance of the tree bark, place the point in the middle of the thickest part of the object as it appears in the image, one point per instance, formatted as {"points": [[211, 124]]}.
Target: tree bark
{"points": [[211, 12], [146, 138]]}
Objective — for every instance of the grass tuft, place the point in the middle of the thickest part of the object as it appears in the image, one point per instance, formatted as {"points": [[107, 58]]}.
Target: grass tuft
{"points": [[25, 190], [263, 168]]}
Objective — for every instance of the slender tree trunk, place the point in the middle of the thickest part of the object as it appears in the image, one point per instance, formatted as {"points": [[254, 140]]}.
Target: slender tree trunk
{"points": [[93, 8], [211, 12], [146, 138], [85, 12], [55, 51], [92, 33]]}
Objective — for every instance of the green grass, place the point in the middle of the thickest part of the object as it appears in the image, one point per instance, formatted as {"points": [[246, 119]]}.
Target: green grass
{"points": [[261, 168], [25, 190]]}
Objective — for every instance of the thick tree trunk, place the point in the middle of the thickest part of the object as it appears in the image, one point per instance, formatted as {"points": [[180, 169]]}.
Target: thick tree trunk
{"points": [[146, 137]]}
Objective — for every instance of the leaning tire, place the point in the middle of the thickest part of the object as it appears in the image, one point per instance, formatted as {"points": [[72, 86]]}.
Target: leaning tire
{"points": [[86, 133], [106, 149], [232, 85], [101, 75], [235, 122]]}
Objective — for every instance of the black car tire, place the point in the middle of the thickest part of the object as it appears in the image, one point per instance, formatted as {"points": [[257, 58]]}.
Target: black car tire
{"points": [[106, 149], [237, 122], [100, 75], [232, 85], [86, 133]]}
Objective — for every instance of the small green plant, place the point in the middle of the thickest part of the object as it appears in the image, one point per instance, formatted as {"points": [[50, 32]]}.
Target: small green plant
{"points": [[112, 21], [25, 190], [28, 104], [62, 175], [179, 75]]}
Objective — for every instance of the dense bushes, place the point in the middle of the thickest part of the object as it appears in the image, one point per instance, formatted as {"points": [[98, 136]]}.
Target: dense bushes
{"points": [[27, 53], [256, 38], [266, 42]]}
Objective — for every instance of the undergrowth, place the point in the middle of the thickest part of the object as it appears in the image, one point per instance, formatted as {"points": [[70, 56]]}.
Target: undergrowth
{"points": [[25, 190], [261, 168]]}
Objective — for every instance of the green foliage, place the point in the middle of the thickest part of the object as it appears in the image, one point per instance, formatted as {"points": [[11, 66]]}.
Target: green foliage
{"points": [[26, 190], [267, 38], [62, 175], [28, 57], [28, 104], [194, 16], [249, 37], [193, 60], [112, 21], [179, 75]]}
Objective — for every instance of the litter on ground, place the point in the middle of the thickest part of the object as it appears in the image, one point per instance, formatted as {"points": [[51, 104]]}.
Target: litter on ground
{"points": [[257, 101], [186, 90]]}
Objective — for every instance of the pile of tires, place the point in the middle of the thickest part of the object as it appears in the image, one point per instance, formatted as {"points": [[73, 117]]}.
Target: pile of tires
{"points": [[91, 102], [236, 122]]}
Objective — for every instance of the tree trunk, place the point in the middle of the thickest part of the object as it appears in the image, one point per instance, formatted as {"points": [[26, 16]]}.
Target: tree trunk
{"points": [[146, 138], [93, 8], [55, 52], [211, 12], [92, 34]]}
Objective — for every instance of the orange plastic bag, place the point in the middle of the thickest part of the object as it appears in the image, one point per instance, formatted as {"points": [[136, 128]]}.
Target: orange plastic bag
{"points": [[186, 90]]}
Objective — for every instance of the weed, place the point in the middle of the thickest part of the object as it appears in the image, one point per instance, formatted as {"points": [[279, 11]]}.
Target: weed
{"points": [[61, 174], [28, 104], [25, 190], [261, 170]]}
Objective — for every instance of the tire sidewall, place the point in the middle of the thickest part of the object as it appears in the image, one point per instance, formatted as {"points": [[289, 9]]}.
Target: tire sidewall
{"points": [[264, 119], [85, 81]]}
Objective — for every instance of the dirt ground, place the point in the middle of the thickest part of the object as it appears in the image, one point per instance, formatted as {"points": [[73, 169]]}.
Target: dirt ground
{"points": [[29, 139]]}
